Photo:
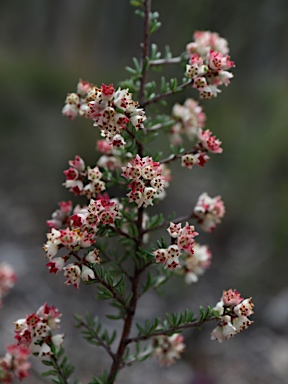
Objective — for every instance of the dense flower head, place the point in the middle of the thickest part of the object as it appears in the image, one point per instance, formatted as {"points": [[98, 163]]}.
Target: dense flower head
{"points": [[75, 103], [7, 279], [168, 349], [83, 181], [60, 217], [80, 234], [204, 41], [36, 331], [14, 363], [147, 181], [189, 118], [183, 241], [234, 312], [209, 63], [209, 211]]}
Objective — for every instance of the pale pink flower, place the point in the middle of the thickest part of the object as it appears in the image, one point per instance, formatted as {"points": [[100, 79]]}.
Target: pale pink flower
{"points": [[7, 279], [15, 362], [209, 142], [196, 264], [189, 118], [209, 211], [168, 349], [204, 41]]}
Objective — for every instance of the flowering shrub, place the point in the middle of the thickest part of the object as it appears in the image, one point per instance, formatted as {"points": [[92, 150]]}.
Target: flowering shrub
{"points": [[80, 238]]}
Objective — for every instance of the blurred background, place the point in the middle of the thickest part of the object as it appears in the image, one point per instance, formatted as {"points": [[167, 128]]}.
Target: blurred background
{"points": [[45, 47]]}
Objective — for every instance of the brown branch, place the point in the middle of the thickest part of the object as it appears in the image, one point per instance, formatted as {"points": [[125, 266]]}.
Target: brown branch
{"points": [[130, 311], [138, 143], [145, 49]]}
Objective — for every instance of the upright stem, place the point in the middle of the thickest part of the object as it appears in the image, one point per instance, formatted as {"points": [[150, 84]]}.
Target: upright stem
{"points": [[130, 310], [145, 49]]}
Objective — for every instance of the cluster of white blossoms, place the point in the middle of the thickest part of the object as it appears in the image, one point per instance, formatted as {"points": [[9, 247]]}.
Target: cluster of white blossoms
{"points": [[168, 349], [82, 181], [209, 63], [209, 211], [147, 182], [80, 233], [183, 241], [110, 109], [195, 264], [234, 312], [189, 118], [36, 331]]}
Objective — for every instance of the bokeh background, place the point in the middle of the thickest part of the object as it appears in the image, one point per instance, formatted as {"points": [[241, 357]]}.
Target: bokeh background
{"points": [[45, 47]]}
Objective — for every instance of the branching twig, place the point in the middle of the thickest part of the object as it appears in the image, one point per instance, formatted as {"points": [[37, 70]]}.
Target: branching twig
{"points": [[61, 375], [145, 49], [169, 331], [99, 341], [172, 60], [111, 289], [168, 93]]}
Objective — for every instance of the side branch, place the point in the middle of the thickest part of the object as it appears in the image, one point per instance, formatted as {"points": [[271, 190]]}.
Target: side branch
{"points": [[172, 60], [166, 94], [145, 49], [99, 341], [169, 331], [109, 288]]}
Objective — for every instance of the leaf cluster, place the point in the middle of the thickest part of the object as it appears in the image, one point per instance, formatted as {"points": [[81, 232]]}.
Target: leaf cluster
{"points": [[93, 331], [60, 367]]}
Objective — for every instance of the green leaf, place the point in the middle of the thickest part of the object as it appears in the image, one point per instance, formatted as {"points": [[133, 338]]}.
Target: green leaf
{"points": [[136, 3]]}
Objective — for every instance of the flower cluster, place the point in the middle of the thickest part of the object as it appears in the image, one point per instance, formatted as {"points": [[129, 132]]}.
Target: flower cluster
{"points": [[112, 110], [7, 280], [147, 180], [234, 312], [36, 331], [75, 103], [209, 211], [14, 363], [77, 175], [189, 118], [183, 240], [209, 63], [81, 232], [168, 349], [196, 263], [60, 217]]}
